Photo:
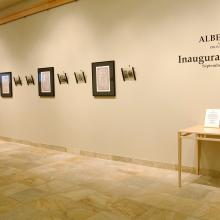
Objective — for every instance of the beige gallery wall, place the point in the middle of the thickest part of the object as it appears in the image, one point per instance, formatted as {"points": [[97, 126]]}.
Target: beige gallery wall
{"points": [[143, 120]]}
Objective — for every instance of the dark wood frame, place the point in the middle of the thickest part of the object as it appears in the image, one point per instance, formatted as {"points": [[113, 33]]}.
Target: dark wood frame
{"points": [[10, 94], [82, 73], [63, 79], [131, 77], [30, 80], [111, 65], [17, 81], [52, 82]]}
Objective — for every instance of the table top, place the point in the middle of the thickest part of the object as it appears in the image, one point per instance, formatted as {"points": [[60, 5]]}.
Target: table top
{"points": [[200, 129]]}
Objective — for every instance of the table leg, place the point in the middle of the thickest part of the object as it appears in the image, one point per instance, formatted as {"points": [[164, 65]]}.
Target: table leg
{"points": [[198, 149], [179, 158]]}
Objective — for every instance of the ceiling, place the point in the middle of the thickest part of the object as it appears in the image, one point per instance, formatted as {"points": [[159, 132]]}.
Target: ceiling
{"points": [[11, 10], [7, 3], [12, 6]]}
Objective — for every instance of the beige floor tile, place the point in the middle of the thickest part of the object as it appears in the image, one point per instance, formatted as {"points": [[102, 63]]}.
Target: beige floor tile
{"points": [[29, 195], [25, 213], [52, 203], [33, 181], [13, 188], [107, 216], [161, 214], [55, 186], [208, 211], [129, 208], [43, 184], [80, 213], [7, 204]]}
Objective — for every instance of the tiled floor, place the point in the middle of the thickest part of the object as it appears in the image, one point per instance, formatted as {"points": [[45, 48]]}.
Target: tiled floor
{"points": [[41, 184]]}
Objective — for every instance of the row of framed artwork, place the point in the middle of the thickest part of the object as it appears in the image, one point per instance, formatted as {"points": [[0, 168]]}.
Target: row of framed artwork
{"points": [[63, 79], [103, 80], [46, 86]]}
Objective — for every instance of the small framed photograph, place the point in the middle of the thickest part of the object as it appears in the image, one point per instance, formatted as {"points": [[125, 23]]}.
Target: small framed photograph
{"points": [[17, 81], [80, 77], [63, 79], [30, 80], [6, 84], [128, 74], [46, 84], [103, 78]]}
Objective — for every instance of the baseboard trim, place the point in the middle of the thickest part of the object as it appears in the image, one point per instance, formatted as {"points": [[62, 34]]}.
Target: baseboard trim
{"points": [[136, 161]]}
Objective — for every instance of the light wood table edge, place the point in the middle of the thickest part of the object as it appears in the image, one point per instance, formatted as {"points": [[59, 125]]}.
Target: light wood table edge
{"points": [[199, 137], [179, 159]]}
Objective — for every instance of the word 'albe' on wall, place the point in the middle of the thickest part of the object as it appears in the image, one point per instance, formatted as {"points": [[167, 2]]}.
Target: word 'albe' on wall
{"points": [[209, 38]]}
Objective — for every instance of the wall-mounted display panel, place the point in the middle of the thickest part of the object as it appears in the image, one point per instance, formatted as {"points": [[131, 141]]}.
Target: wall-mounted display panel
{"points": [[103, 78], [46, 85], [6, 84]]}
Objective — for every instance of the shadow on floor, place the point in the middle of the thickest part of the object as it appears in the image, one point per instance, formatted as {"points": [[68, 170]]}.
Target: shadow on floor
{"points": [[208, 180]]}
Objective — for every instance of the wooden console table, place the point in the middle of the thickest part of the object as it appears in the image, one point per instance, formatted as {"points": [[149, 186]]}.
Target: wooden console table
{"points": [[201, 134]]}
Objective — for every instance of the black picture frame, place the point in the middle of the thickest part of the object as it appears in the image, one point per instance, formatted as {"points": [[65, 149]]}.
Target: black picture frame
{"points": [[80, 77], [128, 74], [63, 78], [103, 78], [46, 82], [17, 81], [30, 80], [6, 76]]}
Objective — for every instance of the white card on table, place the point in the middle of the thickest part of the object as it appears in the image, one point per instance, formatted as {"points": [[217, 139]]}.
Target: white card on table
{"points": [[212, 118]]}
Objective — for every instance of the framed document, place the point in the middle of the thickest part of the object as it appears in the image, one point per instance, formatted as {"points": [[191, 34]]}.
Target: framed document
{"points": [[46, 85], [6, 84], [103, 78], [63, 79], [212, 118], [128, 74], [17, 81], [80, 77], [30, 80]]}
